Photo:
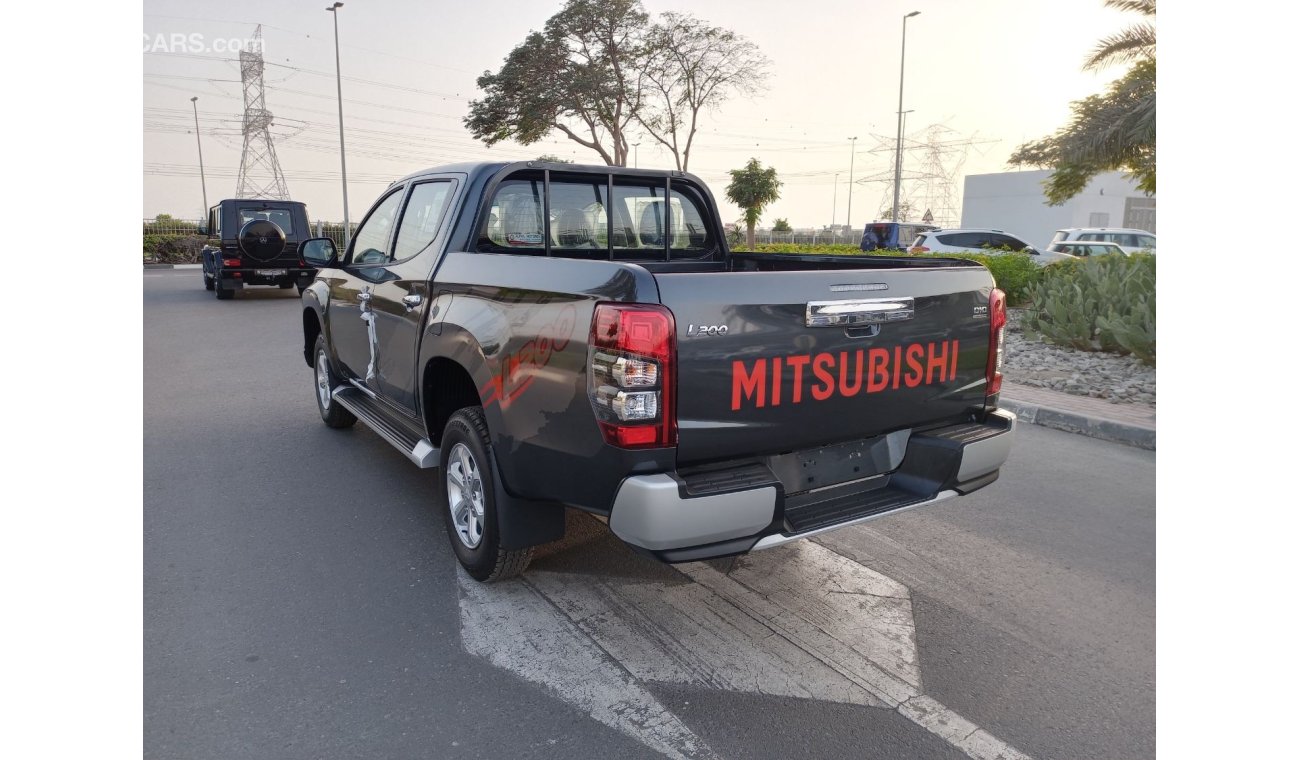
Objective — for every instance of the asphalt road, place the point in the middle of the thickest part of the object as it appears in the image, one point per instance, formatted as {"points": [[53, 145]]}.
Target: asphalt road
{"points": [[301, 600]]}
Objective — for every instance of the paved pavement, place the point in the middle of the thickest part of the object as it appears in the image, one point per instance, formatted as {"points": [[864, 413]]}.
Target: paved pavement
{"points": [[1124, 423], [301, 600]]}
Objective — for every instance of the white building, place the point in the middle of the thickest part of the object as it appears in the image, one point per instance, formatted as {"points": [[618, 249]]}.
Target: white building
{"points": [[1014, 203]]}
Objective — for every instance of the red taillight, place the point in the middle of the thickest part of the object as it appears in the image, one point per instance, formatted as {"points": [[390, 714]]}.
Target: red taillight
{"points": [[231, 263], [630, 375], [997, 327]]}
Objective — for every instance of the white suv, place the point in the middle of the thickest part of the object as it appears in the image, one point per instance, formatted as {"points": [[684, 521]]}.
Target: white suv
{"points": [[1132, 241], [981, 241]]}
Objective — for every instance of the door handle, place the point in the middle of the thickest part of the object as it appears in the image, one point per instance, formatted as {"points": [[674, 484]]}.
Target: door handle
{"points": [[863, 312], [363, 297], [412, 301]]}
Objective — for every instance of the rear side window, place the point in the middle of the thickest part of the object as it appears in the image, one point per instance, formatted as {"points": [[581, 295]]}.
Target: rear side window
{"points": [[1146, 241], [1006, 241], [645, 220], [1059, 236], [965, 239], [421, 218]]}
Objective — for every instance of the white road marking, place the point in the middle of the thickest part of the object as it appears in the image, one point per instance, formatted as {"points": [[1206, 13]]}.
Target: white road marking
{"points": [[797, 621], [516, 629]]}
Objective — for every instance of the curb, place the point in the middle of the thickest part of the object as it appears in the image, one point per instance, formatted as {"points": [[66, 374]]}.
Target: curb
{"points": [[173, 266], [1073, 422]]}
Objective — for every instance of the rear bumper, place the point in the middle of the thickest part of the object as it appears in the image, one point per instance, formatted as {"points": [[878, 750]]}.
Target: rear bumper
{"points": [[733, 510], [253, 276]]}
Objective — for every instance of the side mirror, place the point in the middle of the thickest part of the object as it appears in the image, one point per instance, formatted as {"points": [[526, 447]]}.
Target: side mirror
{"points": [[319, 252]]}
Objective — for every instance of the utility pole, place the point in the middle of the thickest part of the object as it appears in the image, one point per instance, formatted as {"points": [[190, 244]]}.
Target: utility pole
{"points": [[853, 144], [898, 150], [194, 101], [636, 155], [343, 159]]}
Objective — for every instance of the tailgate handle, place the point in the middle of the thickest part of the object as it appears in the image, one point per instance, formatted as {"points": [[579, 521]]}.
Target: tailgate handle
{"points": [[858, 312]]}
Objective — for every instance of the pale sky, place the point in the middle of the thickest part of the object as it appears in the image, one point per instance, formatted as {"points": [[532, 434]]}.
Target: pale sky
{"points": [[999, 72]]}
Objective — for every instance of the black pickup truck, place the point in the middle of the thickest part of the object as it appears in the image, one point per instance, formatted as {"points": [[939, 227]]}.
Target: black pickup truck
{"points": [[255, 243], [555, 336]]}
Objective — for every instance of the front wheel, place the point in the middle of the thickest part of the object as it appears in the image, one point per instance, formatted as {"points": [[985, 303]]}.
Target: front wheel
{"points": [[467, 499], [326, 381]]}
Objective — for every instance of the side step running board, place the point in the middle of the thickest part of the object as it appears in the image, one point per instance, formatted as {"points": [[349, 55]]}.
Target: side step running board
{"points": [[371, 412]]}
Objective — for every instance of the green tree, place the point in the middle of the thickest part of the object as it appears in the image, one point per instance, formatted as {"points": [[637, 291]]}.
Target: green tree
{"points": [[1108, 132], [551, 158], [753, 188], [600, 65], [579, 76], [905, 211], [692, 67], [781, 225]]}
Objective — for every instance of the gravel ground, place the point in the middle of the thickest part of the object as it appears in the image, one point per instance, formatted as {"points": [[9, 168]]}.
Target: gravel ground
{"points": [[1118, 379]]}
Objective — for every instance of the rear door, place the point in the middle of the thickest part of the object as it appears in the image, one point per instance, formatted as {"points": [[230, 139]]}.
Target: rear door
{"points": [[779, 361], [400, 289]]}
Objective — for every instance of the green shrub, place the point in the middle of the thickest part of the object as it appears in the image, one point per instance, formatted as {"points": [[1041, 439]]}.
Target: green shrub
{"points": [[1101, 303], [172, 249], [1013, 272]]}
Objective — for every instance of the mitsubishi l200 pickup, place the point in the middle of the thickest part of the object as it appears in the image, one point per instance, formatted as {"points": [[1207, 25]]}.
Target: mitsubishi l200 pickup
{"points": [[553, 336]]}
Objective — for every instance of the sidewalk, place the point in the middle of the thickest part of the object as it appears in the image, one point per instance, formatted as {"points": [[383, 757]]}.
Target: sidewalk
{"points": [[1123, 423]]}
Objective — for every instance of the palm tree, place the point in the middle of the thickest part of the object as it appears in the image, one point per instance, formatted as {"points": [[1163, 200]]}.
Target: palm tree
{"points": [[1134, 43], [1113, 131], [752, 188]]}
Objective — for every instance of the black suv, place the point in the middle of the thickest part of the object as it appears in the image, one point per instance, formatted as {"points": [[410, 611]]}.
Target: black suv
{"points": [[256, 244]]}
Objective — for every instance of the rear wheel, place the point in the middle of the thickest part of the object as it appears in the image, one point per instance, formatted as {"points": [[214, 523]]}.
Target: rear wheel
{"points": [[467, 498], [326, 381], [223, 294], [286, 284]]}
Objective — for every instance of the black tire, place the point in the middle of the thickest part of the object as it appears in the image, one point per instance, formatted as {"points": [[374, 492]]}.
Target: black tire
{"points": [[222, 293], [302, 289], [331, 413], [467, 434], [286, 285]]}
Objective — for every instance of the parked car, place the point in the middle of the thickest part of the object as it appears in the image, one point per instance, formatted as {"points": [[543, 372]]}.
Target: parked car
{"points": [[1087, 249], [255, 242], [1132, 241], [981, 241], [891, 235], [556, 336]]}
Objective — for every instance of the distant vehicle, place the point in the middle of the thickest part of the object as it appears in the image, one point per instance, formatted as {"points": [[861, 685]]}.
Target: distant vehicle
{"points": [[255, 243], [1132, 241], [891, 235], [1087, 249], [981, 241]]}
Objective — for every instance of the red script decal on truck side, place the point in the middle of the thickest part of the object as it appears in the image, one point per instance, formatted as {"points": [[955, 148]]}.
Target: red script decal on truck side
{"points": [[846, 373]]}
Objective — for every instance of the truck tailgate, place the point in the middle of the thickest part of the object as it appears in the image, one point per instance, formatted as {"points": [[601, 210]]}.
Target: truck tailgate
{"points": [[754, 378]]}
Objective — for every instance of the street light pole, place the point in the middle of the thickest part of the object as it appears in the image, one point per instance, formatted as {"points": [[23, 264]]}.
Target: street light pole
{"points": [[853, 144], [194, 101], [636, 155], [343, 160], [835, 199], [898, 150]]}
